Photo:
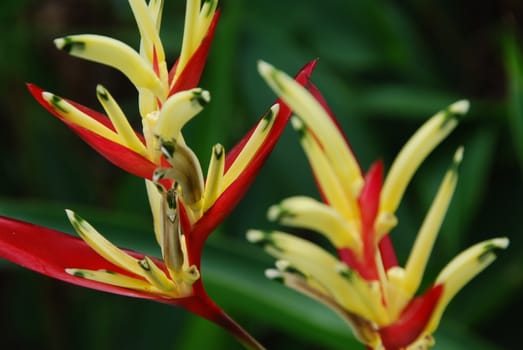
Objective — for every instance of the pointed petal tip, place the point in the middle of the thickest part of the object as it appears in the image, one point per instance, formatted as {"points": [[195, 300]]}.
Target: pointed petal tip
{"points": [[274, 110], [309, 67], [460, 107], [264, 68], [203, 97], [255, 236], [69, 212], [74, 219]]}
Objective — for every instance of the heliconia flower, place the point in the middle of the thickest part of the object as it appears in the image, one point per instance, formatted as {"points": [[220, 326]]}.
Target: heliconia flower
{"points": [[186, 207], [364, 284], [168, 99]]}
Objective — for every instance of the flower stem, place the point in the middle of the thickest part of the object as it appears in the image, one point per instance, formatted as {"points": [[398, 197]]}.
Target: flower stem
{"points": [[203, 306]]}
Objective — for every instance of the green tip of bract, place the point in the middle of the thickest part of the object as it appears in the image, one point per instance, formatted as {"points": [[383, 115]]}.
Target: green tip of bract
{"points": [[488, 253], [71, 215], [55, 101], [101, 92], [299, 126], [75, 272], [75, 219], [344, 271], [218, 151], [271, 112], [203, 97], [68, 44]]}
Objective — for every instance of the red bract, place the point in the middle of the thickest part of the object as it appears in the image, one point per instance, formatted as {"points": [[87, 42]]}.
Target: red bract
{"points": [[50, 252], [121, 156]]}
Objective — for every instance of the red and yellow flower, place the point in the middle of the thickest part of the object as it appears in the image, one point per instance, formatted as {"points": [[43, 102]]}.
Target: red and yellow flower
{"points": [[364, 283], [186, 207]]}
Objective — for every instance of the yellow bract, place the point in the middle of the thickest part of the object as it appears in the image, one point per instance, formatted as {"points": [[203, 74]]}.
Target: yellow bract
{"points": [[115, 54], [415, 151], [252, 146], [305, 105]]}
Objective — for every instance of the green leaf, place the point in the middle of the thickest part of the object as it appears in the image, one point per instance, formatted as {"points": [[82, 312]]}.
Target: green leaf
{"points": [[514, 69]]}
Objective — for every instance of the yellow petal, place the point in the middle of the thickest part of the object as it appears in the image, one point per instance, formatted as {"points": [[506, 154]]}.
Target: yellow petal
{"points": [[155, 202], [120, 122], [415, 151], [316, 118], [113, 278], [362, 329], [332, 186], [214, 178], [252, 146], [147, 22], [428, 232], [157, 277], [102, 246], [156, 9], [345, 285], [115, 54], [308, 213], [75, 116], [204, 19], [461, 270], [178, 110]]}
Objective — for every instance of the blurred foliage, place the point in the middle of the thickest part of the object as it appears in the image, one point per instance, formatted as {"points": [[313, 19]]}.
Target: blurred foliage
{"points": [[385, 67]]}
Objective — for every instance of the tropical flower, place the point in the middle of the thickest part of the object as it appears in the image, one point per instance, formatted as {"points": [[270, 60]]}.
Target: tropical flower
{"points": [[364, 284], [186, 207]]}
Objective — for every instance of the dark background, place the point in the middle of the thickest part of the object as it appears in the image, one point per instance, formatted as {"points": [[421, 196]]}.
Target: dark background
{"points": [[385, 67]]}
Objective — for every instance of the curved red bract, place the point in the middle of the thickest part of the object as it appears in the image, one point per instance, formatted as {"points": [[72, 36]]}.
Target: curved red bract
{"points": [[50, 252], [412, 321], [117, 154]]}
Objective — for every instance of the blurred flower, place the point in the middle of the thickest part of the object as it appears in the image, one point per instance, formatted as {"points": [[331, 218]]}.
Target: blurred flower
{"points": [[185, 207], [364, 284]]}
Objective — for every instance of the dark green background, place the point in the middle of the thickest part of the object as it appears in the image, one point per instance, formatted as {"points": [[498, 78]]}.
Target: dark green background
{"points": [[385, 67]]}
